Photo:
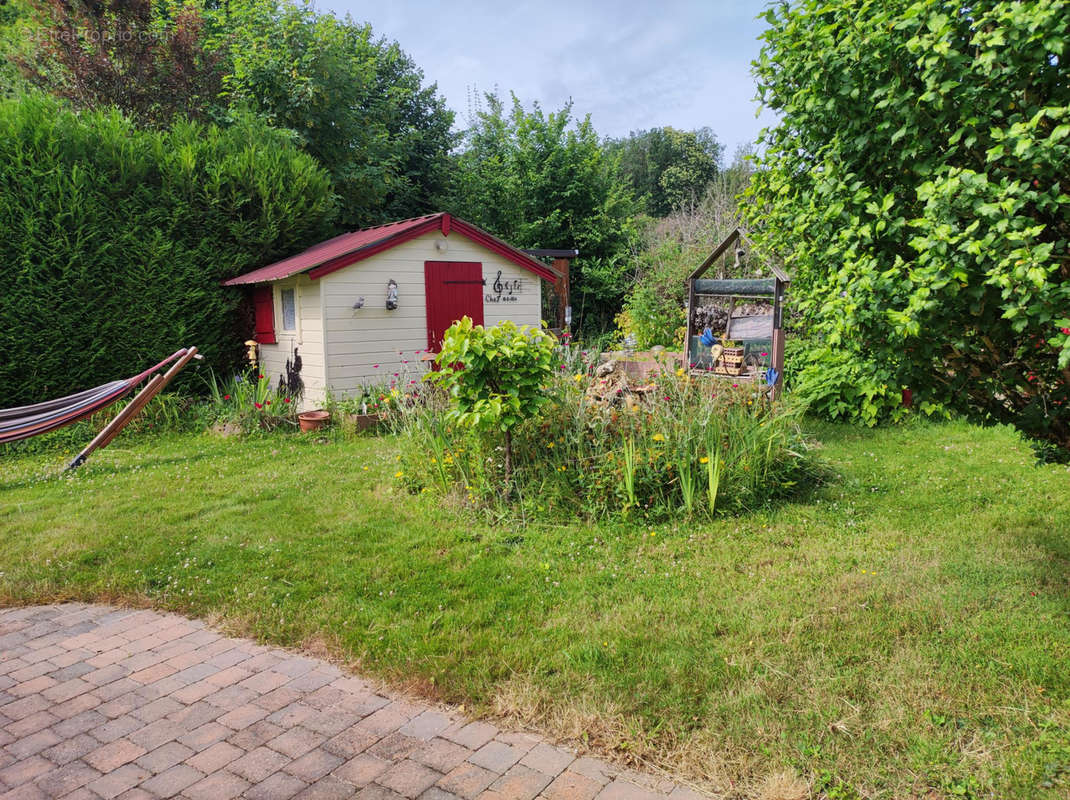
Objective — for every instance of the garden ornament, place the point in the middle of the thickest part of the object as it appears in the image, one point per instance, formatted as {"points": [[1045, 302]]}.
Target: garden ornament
{"points": [[391, 294], [771, 376], [707, 338], [360, 303]]}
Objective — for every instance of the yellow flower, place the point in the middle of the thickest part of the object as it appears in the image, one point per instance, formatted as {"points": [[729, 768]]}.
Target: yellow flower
{"points": [[549, 444], [398, 474], [578, 377], [679, 372], [704, 460], [658, 437]]}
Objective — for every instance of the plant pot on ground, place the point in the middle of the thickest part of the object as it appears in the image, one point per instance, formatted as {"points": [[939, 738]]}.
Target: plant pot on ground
{"points": [[313, 420]]}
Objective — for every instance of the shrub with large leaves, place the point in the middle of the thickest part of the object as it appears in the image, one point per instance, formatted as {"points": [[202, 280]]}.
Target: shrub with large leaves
{"points": [[495, 376], [917, 185]]}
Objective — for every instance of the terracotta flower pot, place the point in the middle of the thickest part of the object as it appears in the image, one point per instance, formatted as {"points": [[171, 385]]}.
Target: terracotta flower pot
{"points": [[313, 420], [363, 422]]}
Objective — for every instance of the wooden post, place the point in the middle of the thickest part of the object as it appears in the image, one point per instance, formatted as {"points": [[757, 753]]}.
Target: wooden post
{"points": [[141, 399], [561, 288], [778, 338]]}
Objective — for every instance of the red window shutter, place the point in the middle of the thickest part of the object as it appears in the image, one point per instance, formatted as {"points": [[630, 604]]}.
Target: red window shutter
{"points": [[264, 306]]}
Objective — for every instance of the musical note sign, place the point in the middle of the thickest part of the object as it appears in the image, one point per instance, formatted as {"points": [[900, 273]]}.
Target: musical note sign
{"points": [[504, 291]]}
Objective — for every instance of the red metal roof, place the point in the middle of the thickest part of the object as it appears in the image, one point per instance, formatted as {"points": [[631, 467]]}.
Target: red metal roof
{"points": [[349, 248]]}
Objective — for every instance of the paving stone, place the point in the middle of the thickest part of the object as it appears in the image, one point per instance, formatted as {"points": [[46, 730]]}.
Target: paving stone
{"points": [[395, 746], [594, 769], [467, 780], [258, 764], [85, 722], [435, 793], [111, 756], [363, 703], [426, 725], [473, 735], [280, 698], [76, 705], [116, 729], [388, 718], [24, 707], [292, 714], [328, 788], [496, 756], [31, 724], [279, 786], [70, 749], [66, 690], [362, 769], [33, 685], [264, 682], [229, 676], [257, 734], [25, 770], [118, 781], [520, 783], [156, 734], [331, 721], [205, 736], [547, 759], [219, 786], [33, 744], [152, 674], [441, 754], [350, 742], [171, 782], [157, 709], [67, 778], [164, 757], [313, 765], [377, 792], [215, 757], [295, 742], [626, 790], [572, 786], [409, 779]]}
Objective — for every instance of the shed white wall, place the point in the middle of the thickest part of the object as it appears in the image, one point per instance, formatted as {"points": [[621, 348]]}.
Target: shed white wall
{"points": [[307, 337], [358, 339]]}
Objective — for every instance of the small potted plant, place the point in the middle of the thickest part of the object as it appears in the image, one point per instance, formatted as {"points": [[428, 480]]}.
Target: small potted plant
{"points": [[313, 420]]}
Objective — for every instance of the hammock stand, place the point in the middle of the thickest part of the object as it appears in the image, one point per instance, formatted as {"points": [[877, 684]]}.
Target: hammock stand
{"points": [[27, 421]]}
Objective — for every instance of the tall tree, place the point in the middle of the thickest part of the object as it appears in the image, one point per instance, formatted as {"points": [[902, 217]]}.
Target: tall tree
{"points": [[917, 184], [543, 180], [355, 102], [668, 167]]}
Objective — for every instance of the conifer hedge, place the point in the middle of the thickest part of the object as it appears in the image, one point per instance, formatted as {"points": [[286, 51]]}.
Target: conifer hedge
{"points": [[114, 240]]}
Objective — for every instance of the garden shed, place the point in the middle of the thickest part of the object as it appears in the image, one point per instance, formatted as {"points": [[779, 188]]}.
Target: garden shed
{"points": [[350, 305]]}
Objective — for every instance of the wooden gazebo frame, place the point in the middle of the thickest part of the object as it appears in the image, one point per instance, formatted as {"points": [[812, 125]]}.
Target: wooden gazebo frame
{"points": [[764, 288]]}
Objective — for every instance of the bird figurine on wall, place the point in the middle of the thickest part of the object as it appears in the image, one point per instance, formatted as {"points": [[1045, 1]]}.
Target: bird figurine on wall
{"points": [[359, 303]]}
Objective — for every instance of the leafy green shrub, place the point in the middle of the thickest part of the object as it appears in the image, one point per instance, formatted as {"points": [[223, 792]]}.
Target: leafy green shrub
{"points": [[114, 241], [690, 447], [916, 184], [494, 377]]}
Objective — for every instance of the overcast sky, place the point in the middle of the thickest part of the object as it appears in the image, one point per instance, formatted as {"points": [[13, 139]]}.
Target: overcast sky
{"points": [[630, 64]]}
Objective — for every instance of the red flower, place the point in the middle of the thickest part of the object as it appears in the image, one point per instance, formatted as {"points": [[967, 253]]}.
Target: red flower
{"points": [[261, 377], [286, 399], [375, 366], [226, 397], [1066, 331], [269, 402], [258, 405]]}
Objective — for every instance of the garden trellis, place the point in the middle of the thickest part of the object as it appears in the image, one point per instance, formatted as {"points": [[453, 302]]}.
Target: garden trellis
{"points": [[761, 335]]}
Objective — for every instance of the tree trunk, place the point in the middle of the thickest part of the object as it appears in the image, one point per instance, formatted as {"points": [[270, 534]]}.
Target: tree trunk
{"points": [[509, 459]]}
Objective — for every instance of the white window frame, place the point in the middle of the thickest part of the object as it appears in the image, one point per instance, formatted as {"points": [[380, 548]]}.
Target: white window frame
{"points": [[281, 316]]}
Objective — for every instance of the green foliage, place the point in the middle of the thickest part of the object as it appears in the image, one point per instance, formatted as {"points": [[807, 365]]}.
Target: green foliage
{"points": [[654, 308], [688, 447], [494, 376], [113, 241], [354, 102], [543, 180], [667, 168], [917, 187], [250, 401]]}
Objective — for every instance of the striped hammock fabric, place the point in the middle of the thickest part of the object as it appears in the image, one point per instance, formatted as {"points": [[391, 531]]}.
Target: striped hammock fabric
{"points": [[26, 421]]}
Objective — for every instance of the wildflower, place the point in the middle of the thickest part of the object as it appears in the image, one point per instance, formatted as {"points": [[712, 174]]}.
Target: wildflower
{"points": [[261, 377], [286, 399], [395, 374], [226, 397], [704, 460], [398, 474], [549, 444], [1065, 330], [658, 437], [735, 385], [375, 366], [578, 377], [258, 405], [679, 372]]}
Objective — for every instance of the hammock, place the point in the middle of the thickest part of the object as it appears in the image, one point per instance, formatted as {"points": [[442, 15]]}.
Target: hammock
{"points": [[33, 420]]}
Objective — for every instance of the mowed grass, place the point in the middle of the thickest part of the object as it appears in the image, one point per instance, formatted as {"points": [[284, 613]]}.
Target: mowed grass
{"points": [[902, 632]]}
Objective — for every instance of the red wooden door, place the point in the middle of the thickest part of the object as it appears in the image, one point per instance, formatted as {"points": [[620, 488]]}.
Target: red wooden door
{"points": [[454, 290]]}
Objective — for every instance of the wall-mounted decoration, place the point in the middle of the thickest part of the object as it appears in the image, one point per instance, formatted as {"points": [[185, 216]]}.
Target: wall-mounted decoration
{"points": [[391, 294], [504, 291]]}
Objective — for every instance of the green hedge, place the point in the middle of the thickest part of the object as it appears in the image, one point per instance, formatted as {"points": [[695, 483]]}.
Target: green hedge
{"points": [[114, 240]]}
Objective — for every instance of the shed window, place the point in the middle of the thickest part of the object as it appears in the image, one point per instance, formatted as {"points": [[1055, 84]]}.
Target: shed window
{"points": [[289, 310]]}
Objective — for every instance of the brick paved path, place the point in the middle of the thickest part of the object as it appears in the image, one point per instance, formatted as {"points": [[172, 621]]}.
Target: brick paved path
{"points": [[98, 702]]}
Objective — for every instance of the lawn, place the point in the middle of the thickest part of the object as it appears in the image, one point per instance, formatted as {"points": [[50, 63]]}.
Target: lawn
{"points": [[902, 632]]}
